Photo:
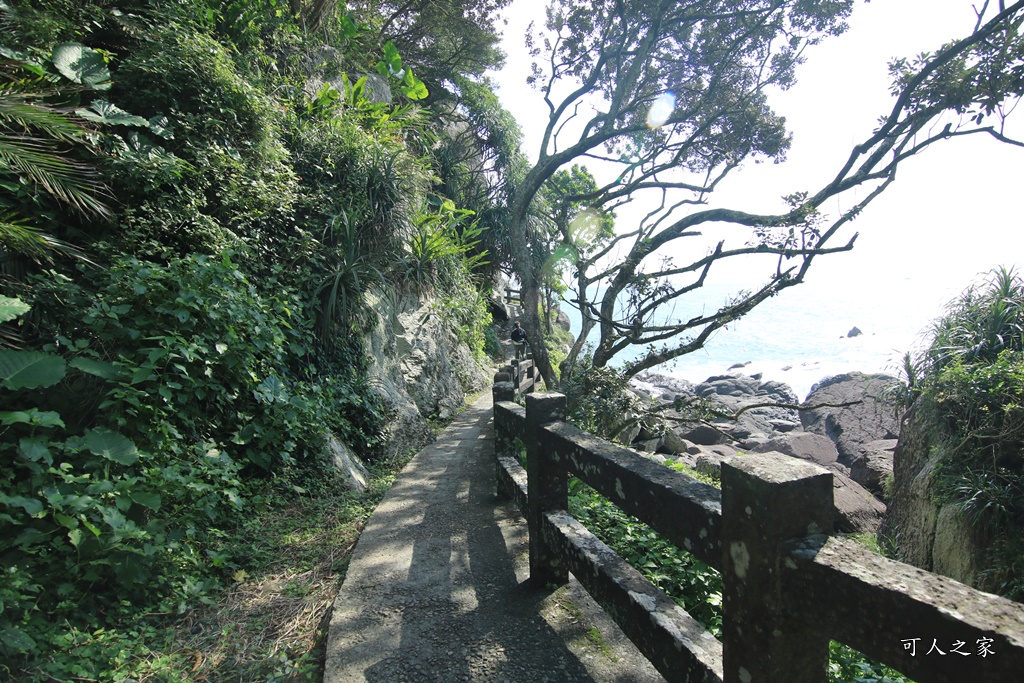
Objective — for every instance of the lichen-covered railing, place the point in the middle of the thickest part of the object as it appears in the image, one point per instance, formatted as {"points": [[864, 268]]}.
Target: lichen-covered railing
{"points": [[522, 373], [788, 586]]}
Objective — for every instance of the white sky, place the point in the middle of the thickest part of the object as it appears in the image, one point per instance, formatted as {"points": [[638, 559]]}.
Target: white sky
{"points": [[952, 213]]}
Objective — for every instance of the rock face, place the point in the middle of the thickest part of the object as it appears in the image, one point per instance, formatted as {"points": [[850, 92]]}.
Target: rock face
{"points": [[420, 370], [926, 533], [852, 428], [348, 464]]}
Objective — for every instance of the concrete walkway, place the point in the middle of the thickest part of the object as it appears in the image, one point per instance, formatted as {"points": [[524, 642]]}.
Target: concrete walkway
{"points": [[436, 589]]}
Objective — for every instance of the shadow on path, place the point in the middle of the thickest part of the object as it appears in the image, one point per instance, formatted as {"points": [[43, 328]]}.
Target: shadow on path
{"points": [[435, 589]]}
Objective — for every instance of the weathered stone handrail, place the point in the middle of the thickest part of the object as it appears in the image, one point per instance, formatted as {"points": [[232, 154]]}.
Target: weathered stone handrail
{"points": [[521, 374], [788, 586]]}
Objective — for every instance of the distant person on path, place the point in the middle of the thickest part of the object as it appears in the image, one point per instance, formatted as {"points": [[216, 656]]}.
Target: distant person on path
{"points": [[519, 341]]}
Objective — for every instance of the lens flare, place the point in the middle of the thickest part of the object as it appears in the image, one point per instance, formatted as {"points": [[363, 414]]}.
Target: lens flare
{"points": [[585, 227], [661, 109]]}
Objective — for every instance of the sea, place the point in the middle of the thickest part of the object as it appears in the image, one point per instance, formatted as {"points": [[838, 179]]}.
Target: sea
{"points": [[803, 335]]}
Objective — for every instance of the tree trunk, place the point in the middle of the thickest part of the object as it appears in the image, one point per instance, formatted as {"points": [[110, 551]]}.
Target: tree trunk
{"points": [[529, 296]]}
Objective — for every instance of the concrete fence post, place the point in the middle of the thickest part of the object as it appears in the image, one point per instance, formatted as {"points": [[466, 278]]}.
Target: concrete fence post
{"points": [[503, 391], [768, 499], [547, 487]]}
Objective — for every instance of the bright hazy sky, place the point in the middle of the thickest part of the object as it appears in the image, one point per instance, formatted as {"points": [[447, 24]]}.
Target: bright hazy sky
{"points": [[952, 213]]}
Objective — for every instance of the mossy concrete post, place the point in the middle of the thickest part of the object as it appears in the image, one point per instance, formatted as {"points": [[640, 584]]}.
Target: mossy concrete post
{"points": [[768, 499], [503, 391], [504, 441], [547, 486]]}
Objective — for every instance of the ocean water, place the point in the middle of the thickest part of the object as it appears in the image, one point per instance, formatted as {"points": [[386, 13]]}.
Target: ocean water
{"points": [[800, 337]]}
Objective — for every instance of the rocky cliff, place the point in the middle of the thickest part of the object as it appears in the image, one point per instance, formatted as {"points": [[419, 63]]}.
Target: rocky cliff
{"points": [[924, 531], [419, 368]]}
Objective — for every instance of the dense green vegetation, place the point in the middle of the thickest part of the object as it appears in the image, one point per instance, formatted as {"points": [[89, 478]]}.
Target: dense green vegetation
{"points": [[196, 198], [968, 389]]}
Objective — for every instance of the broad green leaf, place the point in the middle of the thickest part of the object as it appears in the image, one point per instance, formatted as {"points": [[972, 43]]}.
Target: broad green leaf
{"points": [[35, 449], [149, 500], [15, 640], [75, 536], [158, 126], [33, 416], [99, 368], [392, 59], [112, 446], [272, 390], [81, 65], [30, 369], [31, 506], [416, 91], [30, 537], [113, 518], [90, 526], [109, 114], [11, 308]]}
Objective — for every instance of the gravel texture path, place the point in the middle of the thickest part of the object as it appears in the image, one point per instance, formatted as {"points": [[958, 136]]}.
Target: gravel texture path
{"points": [[436, 590]]}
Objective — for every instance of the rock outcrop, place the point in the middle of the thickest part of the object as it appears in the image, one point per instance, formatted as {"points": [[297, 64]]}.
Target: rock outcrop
{"points": [[854, 443], [852, 428], [420, 370], [925, 532]]}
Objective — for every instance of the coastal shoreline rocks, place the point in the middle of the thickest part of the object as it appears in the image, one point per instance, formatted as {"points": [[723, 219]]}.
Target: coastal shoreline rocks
{"points": [[852, 435]]}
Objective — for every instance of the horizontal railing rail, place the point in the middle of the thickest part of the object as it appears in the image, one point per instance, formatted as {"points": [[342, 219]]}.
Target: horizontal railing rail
{"points": [[789, 587]]}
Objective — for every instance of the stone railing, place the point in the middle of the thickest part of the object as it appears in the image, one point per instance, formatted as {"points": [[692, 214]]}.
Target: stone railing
{"points": [[789, 587], [516, 379]]}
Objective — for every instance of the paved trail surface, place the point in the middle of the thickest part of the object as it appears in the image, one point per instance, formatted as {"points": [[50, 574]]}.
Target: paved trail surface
{"points": [[436, 591]]}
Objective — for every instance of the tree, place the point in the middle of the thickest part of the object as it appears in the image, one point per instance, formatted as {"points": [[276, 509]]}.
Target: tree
{"points": [[674, 95], [574, 231], [439, 39]]}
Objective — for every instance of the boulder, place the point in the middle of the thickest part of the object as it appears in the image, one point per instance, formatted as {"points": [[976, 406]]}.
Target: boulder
{"points": [[727, 385], [562, 320], [856, 509], [854, 332], [647, 445], [674, 442], [870, 418], [709, 462], [347, 463], [812, 447], [874, 465], [704, 435]]}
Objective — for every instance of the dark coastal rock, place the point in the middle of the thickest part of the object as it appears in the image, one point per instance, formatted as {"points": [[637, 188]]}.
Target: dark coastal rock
{"points": [[855, 332], [709, 461], [870, 418], [704, 435], [856, 509], [874, 465], [806, 446]]}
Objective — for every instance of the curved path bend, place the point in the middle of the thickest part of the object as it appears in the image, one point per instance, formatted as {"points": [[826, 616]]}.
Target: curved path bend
{"points": [[436, 589]]}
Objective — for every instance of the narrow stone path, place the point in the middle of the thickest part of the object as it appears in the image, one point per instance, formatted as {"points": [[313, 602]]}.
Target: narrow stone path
{"points": [[436, 590]]}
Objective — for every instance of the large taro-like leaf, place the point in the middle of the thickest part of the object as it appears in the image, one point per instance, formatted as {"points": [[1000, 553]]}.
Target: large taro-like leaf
{"points": [[30, 369], [81, 64], [11, 308], [112, 446], [109, 114]]}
